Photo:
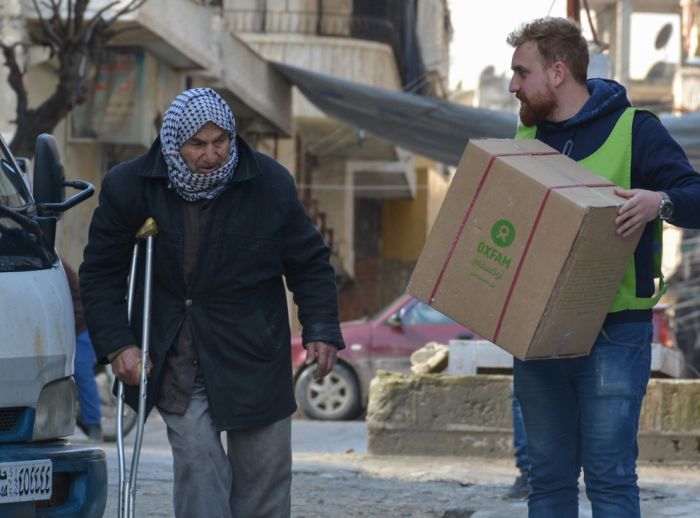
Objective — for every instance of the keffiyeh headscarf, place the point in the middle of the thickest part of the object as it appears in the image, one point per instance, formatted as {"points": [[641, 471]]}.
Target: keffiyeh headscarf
{"points": [[191, 110]]}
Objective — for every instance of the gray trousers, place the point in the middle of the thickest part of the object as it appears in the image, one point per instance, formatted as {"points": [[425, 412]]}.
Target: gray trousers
{"points": [[252, 481]]}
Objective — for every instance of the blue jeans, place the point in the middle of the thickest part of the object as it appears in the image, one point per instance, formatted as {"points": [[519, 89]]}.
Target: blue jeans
{"points": [[522, 462], [88, 396], [584, 412]]}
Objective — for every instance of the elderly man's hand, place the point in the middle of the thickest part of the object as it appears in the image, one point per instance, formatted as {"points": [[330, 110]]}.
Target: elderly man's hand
{"points": [[325, 355], [641, 207], [127, 366]]}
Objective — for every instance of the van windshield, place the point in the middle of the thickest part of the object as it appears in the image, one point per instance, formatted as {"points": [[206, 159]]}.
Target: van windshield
{"points": [[20, 248], [13, 191]]}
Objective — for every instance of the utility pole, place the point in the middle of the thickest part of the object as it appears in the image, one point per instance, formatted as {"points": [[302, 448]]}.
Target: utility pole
{"points": [[573, 10]]}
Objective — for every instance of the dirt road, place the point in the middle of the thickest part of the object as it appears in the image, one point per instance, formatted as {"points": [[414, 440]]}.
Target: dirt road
{"points": [[335, 477]]}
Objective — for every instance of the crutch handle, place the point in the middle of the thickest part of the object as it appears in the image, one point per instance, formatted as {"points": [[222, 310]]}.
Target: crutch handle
{"points": [[148, 229]]}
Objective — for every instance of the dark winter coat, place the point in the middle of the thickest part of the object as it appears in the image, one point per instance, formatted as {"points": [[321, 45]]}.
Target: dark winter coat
{"points": [[258, 233]]}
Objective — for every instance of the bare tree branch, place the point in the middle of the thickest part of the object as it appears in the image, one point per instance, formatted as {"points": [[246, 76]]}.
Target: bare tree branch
{"points": [[132, 6], [128, 8], [14, 78], [80, 7], [51, 37], [97, 18], [69, 18], [56, 18], [78, 41]]}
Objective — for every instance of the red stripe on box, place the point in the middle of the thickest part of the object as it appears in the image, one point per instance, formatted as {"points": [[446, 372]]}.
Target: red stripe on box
{"points": [[450, 253], [529, 242]]}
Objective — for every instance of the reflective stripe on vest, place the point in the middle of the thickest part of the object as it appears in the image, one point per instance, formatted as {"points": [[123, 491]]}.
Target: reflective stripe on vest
{"points": [[613, 160]]}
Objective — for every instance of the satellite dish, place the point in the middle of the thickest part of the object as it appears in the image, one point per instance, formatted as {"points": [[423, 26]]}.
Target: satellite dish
{"points": [[663, 36]]}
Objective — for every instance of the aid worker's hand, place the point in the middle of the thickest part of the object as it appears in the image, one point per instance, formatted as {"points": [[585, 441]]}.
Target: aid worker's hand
{"points": [[640, 208], [127, 366], [324, 354]]}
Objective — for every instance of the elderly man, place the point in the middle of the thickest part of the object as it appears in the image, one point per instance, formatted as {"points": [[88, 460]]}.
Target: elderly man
{"points": [[230, 229]]}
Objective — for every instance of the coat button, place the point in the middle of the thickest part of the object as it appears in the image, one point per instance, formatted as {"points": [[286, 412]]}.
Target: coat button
{"points": [[188, 302]]}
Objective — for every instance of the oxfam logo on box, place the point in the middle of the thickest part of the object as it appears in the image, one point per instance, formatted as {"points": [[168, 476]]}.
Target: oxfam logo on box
{"points": [[503, 233]]}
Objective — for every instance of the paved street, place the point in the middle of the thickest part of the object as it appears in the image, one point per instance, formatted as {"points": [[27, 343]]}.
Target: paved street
{"points": [[335, 477]]}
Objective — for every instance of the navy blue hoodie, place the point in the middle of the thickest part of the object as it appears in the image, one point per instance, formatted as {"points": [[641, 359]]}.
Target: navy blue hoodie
{"points": [[658, 164]]}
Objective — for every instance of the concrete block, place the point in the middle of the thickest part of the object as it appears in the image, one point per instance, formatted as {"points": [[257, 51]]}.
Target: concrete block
{"points": [[437, 414]]}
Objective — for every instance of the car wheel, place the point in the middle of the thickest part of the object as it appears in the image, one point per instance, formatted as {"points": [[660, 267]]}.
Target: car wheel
{"points": [[335, 397]]}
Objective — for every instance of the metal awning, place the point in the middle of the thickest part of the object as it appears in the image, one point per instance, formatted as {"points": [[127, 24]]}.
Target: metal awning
{"points": [[432, 127], [427, 126]]}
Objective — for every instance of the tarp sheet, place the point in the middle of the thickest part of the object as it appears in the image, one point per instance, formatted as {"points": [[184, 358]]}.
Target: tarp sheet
{"points": [[425, 125], [428, 126]]}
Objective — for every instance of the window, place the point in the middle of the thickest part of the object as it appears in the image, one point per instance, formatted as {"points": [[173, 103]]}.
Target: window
{"points": [[423, 314]]}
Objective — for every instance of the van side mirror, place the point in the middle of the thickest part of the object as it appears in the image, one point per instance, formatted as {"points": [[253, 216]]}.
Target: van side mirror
{"points": [[49, 187]]}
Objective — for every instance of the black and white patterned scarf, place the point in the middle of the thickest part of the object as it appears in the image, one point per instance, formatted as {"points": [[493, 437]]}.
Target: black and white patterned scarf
{"points": [[191, 110]]}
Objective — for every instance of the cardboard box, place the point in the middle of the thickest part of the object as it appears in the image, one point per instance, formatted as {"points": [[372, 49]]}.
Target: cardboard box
{"points": [[524, 250]]}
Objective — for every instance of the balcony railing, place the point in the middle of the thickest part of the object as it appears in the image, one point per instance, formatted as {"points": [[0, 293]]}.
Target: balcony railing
{"points": [[314, 23]]}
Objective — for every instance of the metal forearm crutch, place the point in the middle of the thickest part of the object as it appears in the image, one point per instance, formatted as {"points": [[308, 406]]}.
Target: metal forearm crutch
{"points": [[127, 488]]}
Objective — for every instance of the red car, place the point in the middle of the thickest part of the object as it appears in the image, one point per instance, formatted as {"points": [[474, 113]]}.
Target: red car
{"points": [[384, 341]]}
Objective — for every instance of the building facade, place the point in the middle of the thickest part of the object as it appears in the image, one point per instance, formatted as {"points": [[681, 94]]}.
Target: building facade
{"points": [[372, 201]]}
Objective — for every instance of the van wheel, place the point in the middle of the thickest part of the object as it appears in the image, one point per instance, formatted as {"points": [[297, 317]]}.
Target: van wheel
{"points": [[335, 397]]}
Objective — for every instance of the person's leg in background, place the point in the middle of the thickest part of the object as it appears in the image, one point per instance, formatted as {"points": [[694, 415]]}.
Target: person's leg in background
{"points": [[521, 487], [612, 382], [88, 395], [547, 396]]}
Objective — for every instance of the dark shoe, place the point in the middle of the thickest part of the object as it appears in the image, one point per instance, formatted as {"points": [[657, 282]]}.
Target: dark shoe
{"points": [[519, 489], [92, 431]]}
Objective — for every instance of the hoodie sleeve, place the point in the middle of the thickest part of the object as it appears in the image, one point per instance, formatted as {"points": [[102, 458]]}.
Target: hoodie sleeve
{"points": [[660, 164]]}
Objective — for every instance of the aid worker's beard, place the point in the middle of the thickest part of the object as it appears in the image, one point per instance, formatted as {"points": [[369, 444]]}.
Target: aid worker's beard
{"points": [[537, 109]]}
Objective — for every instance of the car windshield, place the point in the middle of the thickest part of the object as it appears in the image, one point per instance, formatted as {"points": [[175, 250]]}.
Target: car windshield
{"points": [[423, 314], [20, 246], [377, 314]]}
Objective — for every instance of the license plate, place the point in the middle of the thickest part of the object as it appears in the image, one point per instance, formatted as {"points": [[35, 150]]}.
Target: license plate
{"points": [[25, 481]]}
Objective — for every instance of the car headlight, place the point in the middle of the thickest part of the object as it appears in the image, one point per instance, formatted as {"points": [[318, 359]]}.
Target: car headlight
{"points": [[55, 410]]}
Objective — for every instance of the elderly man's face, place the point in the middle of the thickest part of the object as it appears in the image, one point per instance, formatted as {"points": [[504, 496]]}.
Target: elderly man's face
{"points": [[207, 150]]}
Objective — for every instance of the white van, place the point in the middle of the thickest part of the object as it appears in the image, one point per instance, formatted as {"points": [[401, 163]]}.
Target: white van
{"points": [[41, 474]]}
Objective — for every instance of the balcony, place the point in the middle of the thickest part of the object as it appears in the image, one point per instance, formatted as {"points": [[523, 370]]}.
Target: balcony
{"points": [[275, 21], [316, 23], [335, 28]]}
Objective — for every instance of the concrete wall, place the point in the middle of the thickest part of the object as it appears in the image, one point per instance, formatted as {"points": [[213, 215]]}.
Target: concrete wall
{"points": [[11, 31], [438, 183], [406, 223], [433, 36], [471, 415], [337, 203], [361, 61], [403, 223]]}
